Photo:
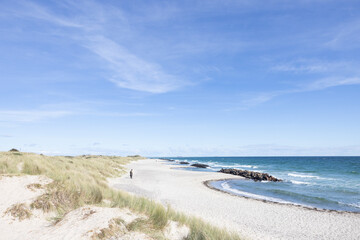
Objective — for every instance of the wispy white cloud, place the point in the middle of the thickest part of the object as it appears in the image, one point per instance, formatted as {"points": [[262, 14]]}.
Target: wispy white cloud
{"points": [[345, 35], [301, 68], [131, 71], [33, 10], [316, 66], [255, 99], [324, 75], [122, 114], [21, 116], [5, 136], [245, 150], [95, 108], [127, 70], [330, 82], [30, 115], [316, 85]]}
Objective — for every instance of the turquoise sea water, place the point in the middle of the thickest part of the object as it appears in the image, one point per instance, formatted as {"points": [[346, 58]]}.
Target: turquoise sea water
{"points": [[318, 182]]}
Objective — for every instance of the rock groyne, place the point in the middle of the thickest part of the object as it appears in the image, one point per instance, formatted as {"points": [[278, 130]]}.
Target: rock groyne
{"points": [[256, 176]]}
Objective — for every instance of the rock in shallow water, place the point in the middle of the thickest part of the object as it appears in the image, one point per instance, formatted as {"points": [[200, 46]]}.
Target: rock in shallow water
{"points": [[199, 165], [256, 176], [184, 163]]}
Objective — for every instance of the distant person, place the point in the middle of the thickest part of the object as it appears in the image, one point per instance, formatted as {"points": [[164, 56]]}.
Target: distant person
{"points": [[131, 173]]}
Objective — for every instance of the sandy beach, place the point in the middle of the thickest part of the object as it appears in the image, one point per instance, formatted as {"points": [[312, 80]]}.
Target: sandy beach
{"points": [[252, 219]]}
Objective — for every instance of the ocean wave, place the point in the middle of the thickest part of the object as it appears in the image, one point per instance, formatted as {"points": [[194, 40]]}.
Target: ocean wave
{"points": [[299, 175], [247, 166], [302, 176], [299, 182], [357, 205], [231, 166], [228, 188]]}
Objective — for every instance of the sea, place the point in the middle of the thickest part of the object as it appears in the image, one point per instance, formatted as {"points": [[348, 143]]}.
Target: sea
{"points": [[331, 183]]}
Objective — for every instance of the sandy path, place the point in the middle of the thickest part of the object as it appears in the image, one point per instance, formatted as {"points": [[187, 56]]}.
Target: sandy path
{"points": [[185, 191]]}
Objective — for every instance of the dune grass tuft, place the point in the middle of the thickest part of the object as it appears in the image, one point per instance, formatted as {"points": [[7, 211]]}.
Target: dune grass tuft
{"points": [[19, 211], [81, 180]]}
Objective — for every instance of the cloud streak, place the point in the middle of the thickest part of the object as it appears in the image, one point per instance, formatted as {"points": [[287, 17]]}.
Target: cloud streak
{"points": [[32, 10], [303, 66], [30, 115], [5, 136], [334, 74], [345, 36], [23, 116], [330, 82], [130, 71], [317, 85], [127, 70]]}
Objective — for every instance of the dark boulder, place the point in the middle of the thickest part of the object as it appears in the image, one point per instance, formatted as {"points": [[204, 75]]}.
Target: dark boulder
{"points": [[256, 176], [199, 165], [183, 162]]}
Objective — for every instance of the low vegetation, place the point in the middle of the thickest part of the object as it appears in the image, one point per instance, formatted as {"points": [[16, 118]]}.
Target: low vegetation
{"points": [[81, 180], [19, 211]]}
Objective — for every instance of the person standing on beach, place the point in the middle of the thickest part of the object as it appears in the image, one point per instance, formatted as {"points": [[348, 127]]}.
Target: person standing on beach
{"points": [[131, 173]]}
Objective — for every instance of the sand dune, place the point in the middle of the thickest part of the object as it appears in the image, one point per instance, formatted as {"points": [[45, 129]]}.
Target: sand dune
{"points": [[88, 222]]}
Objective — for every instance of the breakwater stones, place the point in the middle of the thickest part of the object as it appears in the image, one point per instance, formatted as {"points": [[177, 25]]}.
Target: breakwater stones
{"points": [[199, 165], [256, 176]]}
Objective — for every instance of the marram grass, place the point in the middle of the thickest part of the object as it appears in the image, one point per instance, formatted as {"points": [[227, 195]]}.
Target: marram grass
{"points": [[81, 180]]}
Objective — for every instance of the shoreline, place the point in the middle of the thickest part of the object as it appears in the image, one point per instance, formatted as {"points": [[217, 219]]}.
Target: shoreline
{"points": [[186, 191], [207, 184]]}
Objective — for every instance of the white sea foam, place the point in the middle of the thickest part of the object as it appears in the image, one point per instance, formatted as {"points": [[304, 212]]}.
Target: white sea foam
{"points": [[300, 175], [245, 166], [357, 205], [299, 182]]}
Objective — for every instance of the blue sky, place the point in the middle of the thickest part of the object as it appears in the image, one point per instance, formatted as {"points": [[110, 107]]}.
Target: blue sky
{"points": [[180, 78]]}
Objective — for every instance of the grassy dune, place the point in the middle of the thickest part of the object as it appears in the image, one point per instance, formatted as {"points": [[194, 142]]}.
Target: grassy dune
{"points": [[81, 180]]}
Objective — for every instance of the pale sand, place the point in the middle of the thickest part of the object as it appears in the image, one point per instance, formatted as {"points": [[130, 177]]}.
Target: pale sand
{"points": [[253, 219], [82, 223]]}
